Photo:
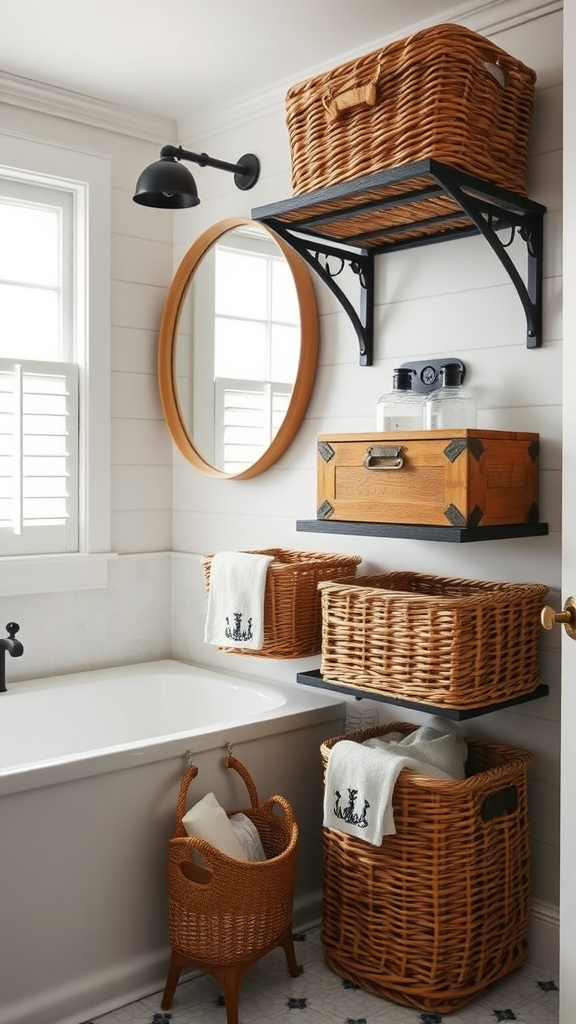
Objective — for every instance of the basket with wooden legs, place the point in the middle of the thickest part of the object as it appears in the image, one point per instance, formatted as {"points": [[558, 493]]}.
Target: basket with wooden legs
{"points": [[226, 914]]}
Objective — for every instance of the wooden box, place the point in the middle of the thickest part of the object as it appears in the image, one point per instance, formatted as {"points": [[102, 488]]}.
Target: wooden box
{"points": [[463, 478]]}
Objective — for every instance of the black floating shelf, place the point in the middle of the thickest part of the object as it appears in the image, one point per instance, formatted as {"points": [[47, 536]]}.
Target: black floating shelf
{"points": [[349, 223], [315, 678], [451, 534]]}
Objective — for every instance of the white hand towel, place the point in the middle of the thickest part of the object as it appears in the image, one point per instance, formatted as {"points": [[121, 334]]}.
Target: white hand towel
{"points": [[360, 780], [235, 613]]}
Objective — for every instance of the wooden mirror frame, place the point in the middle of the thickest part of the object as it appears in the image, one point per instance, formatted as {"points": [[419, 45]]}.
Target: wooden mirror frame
{"points": [[307, 362]]}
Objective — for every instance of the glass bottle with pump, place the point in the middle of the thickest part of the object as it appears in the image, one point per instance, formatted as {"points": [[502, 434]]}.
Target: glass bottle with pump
{"points": [[401, 408], [450, 405]]}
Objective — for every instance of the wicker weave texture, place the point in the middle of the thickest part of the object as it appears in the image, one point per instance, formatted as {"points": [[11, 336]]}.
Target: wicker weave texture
{"points": [[292, 604], [232, 910], [448, 642], [441, 909], [444, 93]]}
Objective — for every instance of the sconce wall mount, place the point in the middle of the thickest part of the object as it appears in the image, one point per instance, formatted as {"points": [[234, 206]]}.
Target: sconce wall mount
{"points": [[169, 185]]}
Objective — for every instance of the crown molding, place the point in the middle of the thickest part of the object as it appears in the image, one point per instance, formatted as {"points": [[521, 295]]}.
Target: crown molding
{"points": [[488, 17], [75, 106]]}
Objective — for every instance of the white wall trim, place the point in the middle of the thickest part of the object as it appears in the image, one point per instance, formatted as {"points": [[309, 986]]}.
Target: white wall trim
{"points": [[488, 17], [544, 937], [74, 106]]}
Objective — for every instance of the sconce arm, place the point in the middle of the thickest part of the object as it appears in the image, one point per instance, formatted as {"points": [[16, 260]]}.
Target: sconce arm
{"points": [[246, 171]]}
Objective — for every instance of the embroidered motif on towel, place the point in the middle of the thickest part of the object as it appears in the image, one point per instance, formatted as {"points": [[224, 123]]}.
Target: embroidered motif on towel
{"points": [[238, 633], [348, 813]]}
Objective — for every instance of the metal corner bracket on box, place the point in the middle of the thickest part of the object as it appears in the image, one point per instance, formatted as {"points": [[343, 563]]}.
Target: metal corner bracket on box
{"points": [[348, 224]]}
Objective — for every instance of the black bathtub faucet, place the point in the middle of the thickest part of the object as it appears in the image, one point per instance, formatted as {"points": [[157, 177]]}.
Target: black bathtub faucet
{"points": [[14, 648]]}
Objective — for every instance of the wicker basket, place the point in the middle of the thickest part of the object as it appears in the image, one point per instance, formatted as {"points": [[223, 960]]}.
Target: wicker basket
{"points": [[292, 612], [227, 915], [444, 93], [448, 642], [441, 909]]}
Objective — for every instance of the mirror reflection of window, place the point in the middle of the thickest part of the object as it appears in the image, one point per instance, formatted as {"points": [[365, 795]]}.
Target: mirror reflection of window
{"points": [[256, 347]]}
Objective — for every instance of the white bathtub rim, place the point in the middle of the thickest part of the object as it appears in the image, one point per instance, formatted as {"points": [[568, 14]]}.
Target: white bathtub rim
{"points": [[317, 706]]}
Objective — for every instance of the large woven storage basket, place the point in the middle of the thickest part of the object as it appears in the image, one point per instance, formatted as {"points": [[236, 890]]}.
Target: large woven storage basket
{"points": [[448, 642], [292, 604], [444, 93], [441, 909], [232, 910]]}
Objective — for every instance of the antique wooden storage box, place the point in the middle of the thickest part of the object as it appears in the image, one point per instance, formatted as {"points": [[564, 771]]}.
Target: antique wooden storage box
{"points": [[462, 478]]}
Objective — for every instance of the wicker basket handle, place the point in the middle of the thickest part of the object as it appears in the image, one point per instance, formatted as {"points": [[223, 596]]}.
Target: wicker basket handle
{"points": [[181, 860], [185, 781], [232, 762], [191, 773], [286, 806], [356, 95], [498, 71]]}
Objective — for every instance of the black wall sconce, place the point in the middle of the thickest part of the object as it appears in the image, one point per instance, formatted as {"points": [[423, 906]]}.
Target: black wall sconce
{"points": [[169, 185]]}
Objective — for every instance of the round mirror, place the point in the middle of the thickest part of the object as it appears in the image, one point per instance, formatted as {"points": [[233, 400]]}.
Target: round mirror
{"points": [[238, 349]]}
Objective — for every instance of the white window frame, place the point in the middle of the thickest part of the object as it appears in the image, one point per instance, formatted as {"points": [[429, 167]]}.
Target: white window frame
{"points": [[88, 176]]}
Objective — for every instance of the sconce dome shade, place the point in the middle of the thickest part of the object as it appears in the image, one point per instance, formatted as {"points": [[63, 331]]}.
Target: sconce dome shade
{"points": [[166, 184]]}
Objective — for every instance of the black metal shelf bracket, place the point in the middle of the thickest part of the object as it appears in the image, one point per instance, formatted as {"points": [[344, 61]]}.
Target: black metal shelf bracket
{"points": [[417, 204], [360, 263], [490, 219]]}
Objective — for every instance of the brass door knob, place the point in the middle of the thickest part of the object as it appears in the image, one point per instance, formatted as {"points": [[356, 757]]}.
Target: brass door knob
{"points": [[549, 617]]}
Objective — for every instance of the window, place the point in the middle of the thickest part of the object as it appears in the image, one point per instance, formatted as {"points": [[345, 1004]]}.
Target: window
{"points": [[54, 367], [39, 416], [256, 347]]}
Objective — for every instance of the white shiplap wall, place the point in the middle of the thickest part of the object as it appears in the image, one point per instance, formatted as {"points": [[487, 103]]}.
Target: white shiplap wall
{"points": [[452, 299]]}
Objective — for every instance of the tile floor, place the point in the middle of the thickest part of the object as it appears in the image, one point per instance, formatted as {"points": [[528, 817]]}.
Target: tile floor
{"points": [[318, 996]]}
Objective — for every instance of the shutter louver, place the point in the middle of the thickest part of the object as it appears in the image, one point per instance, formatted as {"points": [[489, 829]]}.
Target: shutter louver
{"points": [[38, 457]]}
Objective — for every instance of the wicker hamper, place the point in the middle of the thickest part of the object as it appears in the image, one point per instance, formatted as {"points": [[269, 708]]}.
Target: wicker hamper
{"points": [[227, 915], [441, 909], [292, 606], [447, 642], [445, 93]]}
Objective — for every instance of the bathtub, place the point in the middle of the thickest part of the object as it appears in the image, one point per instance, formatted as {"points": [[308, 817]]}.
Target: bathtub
{"points": [[90, 765]]}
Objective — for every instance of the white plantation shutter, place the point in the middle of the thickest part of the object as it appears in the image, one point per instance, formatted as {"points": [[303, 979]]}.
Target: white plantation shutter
{"points": [[38, 457], [247, 416]]}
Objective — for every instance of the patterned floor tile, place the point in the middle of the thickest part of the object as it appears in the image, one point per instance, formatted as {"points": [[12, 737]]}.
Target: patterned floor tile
{"points": [[319, 996]]}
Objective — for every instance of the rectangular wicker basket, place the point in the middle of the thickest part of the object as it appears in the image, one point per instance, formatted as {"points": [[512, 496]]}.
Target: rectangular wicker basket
{"points": [[448, 642], [292, 603], [445, 93], [441, 909]]}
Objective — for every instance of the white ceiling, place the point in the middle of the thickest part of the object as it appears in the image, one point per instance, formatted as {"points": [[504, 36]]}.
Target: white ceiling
{"points": [[179, 58]]}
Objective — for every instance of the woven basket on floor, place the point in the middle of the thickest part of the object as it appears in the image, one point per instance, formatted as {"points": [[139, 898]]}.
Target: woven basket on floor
{"points": [[292, 612], [227, 915], [445, 93], [441, 909], [448, 642]]}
